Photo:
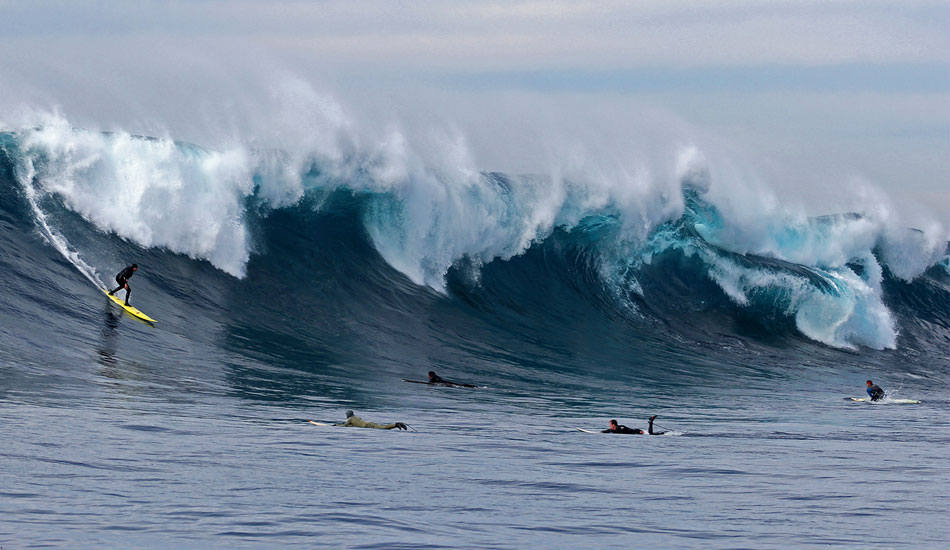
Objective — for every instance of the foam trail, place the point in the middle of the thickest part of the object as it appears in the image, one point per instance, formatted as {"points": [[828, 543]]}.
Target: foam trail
{"points": [[155, 192], [56, 240]]}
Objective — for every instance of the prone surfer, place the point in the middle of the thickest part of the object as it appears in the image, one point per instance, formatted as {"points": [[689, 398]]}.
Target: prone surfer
{"points": [[874, 391], [123, 279], [435, 379], [621, 429], [353, 421]]}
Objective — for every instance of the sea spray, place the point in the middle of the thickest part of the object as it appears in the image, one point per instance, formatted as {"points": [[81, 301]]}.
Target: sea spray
{"points": [[155, 192], [427, 212]]}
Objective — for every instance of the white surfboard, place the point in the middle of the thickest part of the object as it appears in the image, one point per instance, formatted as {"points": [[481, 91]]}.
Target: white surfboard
{"points": [[885, 401]]}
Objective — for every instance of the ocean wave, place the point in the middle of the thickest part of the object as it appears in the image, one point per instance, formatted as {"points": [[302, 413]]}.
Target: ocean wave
{"points": [[428, 220]]}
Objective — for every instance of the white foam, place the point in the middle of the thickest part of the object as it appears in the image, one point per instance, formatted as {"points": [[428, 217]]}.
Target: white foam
{"points": [[432, 206], [150, 191], [53, 237], [753, 221]]}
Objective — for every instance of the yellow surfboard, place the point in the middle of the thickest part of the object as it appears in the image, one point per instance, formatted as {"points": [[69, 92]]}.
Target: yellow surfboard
{"points": [[133, 310]]}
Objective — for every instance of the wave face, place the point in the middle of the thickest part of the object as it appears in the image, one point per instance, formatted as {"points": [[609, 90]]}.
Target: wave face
{"points": [[371, 257]]}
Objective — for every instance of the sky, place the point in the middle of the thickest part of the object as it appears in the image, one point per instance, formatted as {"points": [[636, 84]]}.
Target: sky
{"points": [[811, 97]]}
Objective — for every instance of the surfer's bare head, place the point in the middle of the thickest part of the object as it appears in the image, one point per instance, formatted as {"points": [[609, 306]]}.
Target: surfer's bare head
{"points": [[349, 414]]}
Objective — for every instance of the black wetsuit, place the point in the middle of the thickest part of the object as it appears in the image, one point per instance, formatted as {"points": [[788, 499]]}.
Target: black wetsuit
{"points": [[123, 279], [436, 379], [621, 429], [875, 392]]}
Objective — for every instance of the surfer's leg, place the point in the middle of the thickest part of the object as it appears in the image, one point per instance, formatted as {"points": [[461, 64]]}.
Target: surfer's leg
{"points": [[118, 288], [128, 293], [650, 426]]}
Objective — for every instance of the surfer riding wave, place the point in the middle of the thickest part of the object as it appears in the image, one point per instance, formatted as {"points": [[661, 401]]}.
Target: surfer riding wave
{"points": [[122, 278]]}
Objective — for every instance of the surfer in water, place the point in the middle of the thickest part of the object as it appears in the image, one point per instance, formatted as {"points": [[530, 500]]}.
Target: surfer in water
{"points": [[353, 421], [874, 391], [123, 279], [435, 379], [621, 429]]}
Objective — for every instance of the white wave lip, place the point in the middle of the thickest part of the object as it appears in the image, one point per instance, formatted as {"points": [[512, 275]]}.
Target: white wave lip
{"points": [[431, 206], [154, 192], [854, 314], [440, 208]]}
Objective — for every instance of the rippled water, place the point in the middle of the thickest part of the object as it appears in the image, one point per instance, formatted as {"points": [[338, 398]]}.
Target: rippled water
{"points": [[124, 465], [193, 433]]}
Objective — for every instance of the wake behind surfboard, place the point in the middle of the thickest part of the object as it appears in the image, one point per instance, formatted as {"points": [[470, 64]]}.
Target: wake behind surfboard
{"points": [[444, 385], [885, 401], [131, 309]]}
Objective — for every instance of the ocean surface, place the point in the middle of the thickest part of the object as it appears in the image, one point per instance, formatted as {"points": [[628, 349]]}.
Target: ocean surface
{"points": [[293, 287]]}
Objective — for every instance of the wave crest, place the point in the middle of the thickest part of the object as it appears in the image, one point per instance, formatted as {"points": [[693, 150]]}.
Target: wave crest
{"points": [[425, 217]]}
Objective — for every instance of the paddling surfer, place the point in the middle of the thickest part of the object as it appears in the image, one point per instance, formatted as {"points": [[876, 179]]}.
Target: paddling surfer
{"points": [[621, 429], [353, 421], [874, 391], [437, 380], [123, 279]]}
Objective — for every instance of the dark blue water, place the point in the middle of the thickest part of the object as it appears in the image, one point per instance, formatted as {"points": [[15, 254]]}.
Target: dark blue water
{"points": [[192, 433]]}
